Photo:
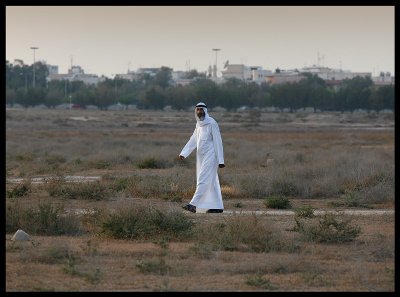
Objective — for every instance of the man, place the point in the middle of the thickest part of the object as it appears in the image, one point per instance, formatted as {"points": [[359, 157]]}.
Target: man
{"points": [[209, 156]]}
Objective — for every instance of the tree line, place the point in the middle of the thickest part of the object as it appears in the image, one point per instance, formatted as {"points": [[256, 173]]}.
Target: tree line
{"points": [[158, 91]]}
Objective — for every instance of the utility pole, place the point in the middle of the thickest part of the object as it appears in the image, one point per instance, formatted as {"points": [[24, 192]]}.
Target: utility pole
{"points": [[216, 52], [33, 66]]}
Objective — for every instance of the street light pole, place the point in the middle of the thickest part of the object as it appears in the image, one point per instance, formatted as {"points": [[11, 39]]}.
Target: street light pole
{"points": [[115, 82], [115, 87], [216, 51], [33, 66]]}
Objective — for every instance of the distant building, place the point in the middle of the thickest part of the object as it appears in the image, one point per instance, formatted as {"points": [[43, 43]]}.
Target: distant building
{"points": [[53, 69], [326, 73], [150, 71], [18, 62], [257, 74], [384, 79], [183, 81], [76, 73], [176, 75], [178, 78], [131, 76], [283, 77], [333, 83], [235, 71], [246, 73]]}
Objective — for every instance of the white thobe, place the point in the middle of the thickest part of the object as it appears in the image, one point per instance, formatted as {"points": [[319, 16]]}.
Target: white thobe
{"points": [[207, 140]]}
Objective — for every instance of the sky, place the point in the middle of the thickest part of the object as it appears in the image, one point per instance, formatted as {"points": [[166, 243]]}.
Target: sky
{"points": [[109, 40]]}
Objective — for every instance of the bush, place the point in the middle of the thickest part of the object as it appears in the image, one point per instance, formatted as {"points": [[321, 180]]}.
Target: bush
{"points": [[156, 266], [284, 188], [278, 202], [55, 160], [14, 214], [244, 233], [152, 163], [86, 191], [101, 164], [44, 219], [143, 222], [258, 280], [121, 184], [20, 190], [305, 211], [330, 229]]}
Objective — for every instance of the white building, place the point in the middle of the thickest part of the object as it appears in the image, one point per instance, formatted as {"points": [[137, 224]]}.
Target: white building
{"points": [[76, 73], [53, 69], [18, 62], [150, 71], [246, 73], [326, 73], [235, 71], [176, 75], [131, 76], [384, 79]]}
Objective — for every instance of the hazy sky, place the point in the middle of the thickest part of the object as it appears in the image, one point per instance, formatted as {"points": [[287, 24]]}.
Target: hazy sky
{"points": [[110, 39]]}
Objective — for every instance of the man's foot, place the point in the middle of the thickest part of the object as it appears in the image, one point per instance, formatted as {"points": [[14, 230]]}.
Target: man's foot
{"points": [[189, 207], [215, 210]]}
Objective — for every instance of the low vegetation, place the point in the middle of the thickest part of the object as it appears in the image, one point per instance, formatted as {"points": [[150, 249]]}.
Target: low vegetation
{"points": [[277, 201], [147, 222], [126, 231], [328, 229]]}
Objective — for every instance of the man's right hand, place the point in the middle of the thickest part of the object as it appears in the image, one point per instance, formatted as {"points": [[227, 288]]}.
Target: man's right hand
{"points": [[181, 157]]}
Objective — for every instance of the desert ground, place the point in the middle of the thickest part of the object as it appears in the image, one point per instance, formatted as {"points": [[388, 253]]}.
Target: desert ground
{"points": [[317, 161]]}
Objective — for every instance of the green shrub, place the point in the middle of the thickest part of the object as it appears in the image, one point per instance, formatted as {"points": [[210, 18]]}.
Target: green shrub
{"points": [[143, 222], [285, 188], [352, 200], [152, 163], [330, 229], [42, 219], [54, 160], [238, 204], [20, 190], [259, 281], [14, 214], [244, 233], [156, 266], [121, 184], [278, 202], [85, 190], [100, 164], [159, 186], [305, 211]]}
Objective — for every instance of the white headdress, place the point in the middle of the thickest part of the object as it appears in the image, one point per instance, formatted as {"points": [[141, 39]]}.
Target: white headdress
{"points": [[207, 118]]}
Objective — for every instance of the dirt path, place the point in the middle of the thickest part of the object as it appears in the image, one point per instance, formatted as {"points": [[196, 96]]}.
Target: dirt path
{"points": [[254, 209], [292, 212]]}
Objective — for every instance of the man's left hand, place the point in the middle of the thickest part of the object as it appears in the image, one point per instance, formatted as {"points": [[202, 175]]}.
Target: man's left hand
{"points": [[221, 165]]}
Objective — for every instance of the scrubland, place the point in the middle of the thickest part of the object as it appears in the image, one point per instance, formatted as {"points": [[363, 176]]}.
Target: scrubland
{"points": [[127, 231]]}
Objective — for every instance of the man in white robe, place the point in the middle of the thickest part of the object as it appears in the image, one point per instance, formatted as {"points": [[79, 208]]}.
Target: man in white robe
{"points": [[209, 157]]}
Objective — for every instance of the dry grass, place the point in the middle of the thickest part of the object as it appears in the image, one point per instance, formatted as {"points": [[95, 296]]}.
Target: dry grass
{"points": [[88, 263], [316, 160]]}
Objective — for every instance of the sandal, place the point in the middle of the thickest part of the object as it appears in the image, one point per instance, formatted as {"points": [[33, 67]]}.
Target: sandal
{"points": [[189, 207], [215, 210]]}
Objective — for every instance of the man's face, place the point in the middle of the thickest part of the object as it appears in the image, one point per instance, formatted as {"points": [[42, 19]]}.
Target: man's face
{"points": [[200, 113]]}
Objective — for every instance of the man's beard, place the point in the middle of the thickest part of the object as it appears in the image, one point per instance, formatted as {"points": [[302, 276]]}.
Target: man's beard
{"points": [[201, 117]]}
